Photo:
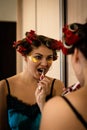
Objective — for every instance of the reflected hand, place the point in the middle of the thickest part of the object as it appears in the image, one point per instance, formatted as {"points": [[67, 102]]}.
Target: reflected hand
{"points": [[42, 91]]}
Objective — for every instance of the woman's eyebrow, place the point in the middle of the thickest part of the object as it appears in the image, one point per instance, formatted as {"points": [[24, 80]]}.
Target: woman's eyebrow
{"points": [[38, 54], [50, 55]]}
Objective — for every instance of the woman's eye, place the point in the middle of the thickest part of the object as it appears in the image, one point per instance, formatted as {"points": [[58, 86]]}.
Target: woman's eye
{"points": [[38, 57], [50, 58], [35, 58]]}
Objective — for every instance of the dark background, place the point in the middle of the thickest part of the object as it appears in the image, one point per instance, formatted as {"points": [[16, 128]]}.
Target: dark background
{"points": [[7, 52]]}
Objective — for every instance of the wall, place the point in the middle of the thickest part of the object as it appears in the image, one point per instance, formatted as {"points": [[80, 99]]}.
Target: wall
{"points": [[8, 10], [8, 19]]}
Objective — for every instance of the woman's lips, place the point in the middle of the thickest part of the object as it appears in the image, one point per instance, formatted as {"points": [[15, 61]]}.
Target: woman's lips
{"points": [[41, 70]]}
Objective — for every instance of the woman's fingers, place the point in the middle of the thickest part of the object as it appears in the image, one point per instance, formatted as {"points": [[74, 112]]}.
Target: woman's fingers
{"points": [[45, 84]]}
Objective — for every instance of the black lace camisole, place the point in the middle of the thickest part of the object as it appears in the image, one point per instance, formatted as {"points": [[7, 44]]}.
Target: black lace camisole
{"points": [[22, 116]]}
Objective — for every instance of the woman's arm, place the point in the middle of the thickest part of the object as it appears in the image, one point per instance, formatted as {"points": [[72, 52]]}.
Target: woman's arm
{"points": [[55, 115], [3, 106]]}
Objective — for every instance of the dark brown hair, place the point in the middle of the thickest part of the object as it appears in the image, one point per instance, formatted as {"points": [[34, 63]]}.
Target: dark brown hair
{"points": [[32, 40]]}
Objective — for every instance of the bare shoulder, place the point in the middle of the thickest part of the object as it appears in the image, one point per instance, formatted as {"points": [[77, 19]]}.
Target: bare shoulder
{"points": [[55, 106], [58, 87], [3, 86], [59, 83], [3, 105], [53, 114], [54, 103], [58, 115], [2, 82]]}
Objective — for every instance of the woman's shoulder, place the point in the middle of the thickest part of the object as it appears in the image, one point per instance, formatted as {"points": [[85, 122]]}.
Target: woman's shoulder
{"points": [[4, 83], [3, 88], [57, 81], [54, 112], [58, 110], [58, 86], [14, 79]]}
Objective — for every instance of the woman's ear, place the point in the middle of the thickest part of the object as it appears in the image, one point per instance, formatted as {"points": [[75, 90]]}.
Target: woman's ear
{"points": [[76, 54]]}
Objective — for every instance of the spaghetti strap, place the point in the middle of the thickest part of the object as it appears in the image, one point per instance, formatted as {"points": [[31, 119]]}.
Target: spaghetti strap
{"points": [[52, 87], [78, 115], [8, 87], [50, 95]]}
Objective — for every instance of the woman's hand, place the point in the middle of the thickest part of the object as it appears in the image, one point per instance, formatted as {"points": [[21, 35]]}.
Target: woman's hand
{"points": [[42, 91]]}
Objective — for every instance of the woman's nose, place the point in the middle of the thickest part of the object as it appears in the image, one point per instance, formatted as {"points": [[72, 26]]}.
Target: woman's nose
{"points": [[44, 62]]}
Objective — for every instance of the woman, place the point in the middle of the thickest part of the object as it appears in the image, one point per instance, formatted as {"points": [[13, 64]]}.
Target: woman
{"points": [[69, 112], [24, 95]]}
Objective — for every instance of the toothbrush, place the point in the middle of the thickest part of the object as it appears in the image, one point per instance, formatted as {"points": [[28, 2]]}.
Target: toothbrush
{"points": [[71, 88], [41, 77]]}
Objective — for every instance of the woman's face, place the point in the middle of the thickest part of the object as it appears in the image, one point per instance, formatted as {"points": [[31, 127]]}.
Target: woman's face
{"points": [[39, 59]]}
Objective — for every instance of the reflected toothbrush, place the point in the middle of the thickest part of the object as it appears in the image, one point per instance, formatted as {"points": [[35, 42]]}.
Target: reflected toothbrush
{"points": [[42, 74], [41, 77], [71, 88]]}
